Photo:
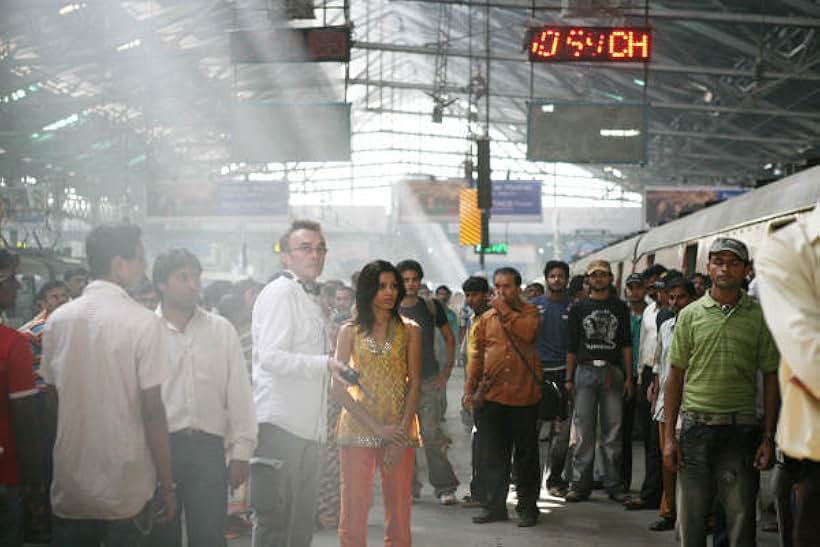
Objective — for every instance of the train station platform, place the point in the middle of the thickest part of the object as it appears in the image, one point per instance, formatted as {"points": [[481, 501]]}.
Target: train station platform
{"points": [[595, 523]]}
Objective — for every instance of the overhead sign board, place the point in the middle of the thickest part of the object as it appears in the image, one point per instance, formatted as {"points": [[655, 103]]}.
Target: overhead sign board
{"points": [[516, 201], [291, 45], [492, 249], [587, 132], [580, 43], [438, 201], [226, 199]]}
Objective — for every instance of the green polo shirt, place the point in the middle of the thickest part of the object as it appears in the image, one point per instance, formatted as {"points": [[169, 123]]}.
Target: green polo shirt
{"points": [[721, 354]]}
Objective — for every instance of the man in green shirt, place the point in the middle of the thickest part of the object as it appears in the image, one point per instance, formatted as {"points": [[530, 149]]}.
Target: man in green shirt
{"points": [[720, 343]]}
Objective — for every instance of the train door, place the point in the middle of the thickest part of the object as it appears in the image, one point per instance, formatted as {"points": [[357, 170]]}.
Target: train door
{"points": [[690, 260]]}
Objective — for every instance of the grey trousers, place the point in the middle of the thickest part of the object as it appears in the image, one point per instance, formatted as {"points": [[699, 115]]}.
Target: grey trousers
{"points": [[439, 470], [284, 487], [598, 392]]}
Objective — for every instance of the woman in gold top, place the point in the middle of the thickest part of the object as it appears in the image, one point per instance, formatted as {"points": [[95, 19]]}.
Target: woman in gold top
{"points": [[378, 426]]}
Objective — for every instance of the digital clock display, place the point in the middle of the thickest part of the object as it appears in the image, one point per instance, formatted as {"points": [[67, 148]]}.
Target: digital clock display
{"points": [[608, 44]]}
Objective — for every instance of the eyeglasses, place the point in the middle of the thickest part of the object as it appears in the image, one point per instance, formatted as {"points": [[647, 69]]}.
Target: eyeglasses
{"points": [[307, 249]]}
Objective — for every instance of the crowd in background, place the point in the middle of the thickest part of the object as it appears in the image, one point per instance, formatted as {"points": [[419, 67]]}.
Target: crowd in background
{"points": [[268, 408]]}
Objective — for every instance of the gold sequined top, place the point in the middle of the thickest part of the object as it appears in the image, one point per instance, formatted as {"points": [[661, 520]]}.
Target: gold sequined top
{"points": [[383, 373]]}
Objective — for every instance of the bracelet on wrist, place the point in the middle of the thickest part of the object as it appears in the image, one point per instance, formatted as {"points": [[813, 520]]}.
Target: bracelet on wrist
{"points": [[172, 488]]}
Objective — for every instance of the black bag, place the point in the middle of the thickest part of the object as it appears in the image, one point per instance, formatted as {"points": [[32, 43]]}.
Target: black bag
{"points": [[552, 405]]}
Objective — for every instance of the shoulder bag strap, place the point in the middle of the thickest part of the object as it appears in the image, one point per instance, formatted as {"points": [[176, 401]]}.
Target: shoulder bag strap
{"points": [[518, 351]]}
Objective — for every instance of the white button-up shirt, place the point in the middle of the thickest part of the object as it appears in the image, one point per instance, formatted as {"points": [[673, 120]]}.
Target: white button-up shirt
{"points": [[649, 338], [209, 387], [100, 351], [788, 267], [290, 352]]}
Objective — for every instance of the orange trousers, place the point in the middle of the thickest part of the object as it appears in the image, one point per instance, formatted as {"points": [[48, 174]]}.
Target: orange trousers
{"points": [[357, 466], [667, 509]]}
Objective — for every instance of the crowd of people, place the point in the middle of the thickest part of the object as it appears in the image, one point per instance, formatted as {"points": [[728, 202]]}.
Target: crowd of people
{"points": [[136, 408]]}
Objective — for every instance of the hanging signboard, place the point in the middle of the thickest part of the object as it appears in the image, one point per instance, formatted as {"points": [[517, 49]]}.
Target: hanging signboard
{"points": [[225, 199]]}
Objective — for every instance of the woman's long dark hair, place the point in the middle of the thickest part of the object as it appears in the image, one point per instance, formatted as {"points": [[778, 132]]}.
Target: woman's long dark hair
{"points": [[366, 288]]}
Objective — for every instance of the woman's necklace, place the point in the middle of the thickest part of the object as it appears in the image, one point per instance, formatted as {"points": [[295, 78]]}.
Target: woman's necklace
{"points": [[372, 346]]}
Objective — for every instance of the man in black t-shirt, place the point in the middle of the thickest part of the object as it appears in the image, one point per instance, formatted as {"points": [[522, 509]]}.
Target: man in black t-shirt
{"points": [[599, 344], [429, 315]]}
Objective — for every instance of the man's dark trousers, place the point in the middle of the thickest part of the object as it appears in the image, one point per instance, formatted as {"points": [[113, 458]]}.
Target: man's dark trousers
{"points": [[477, 486], [503, 427]]}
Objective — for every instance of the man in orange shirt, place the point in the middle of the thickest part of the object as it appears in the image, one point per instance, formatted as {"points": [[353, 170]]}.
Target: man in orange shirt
{"points": [[504, 381]]}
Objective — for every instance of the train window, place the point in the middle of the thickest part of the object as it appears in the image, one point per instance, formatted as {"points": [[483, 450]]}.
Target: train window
{"points": [[650, 259], [690, 261]]}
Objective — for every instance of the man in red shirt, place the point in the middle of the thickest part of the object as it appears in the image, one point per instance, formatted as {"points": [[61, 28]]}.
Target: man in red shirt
{"points": [[20, 455]]}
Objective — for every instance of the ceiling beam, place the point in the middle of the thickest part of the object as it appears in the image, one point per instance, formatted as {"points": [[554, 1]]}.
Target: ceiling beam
{"points": [[654, 13], [653, 67], [730, 137], [776, 112]]}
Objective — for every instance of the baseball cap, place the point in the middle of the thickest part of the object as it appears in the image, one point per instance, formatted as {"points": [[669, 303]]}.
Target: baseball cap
{"points": [[732, 245], [598, 266], [634, 278]]}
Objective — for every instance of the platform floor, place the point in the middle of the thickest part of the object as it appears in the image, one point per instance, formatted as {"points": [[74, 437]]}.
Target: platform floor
{"points": [[596, 523]]}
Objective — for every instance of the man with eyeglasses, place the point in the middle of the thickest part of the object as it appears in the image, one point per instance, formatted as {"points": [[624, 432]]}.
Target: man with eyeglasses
{"points": [[720, 343], [292, 367], [20, 450]]}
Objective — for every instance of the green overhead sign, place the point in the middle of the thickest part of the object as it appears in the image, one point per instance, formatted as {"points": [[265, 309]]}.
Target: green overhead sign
{"points": [[492, 249]]}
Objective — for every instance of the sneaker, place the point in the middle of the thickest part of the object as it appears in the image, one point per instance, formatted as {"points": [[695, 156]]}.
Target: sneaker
{"points": [[448, 499], [619, 497], [489, 516], [663, 524], [573, 496], [468, 502], [528, 519], [637, 504], [557, 491]]}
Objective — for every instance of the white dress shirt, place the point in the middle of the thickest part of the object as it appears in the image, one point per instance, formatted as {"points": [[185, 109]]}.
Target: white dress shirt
{"points": [[649, 338], [290, 352], [664, 342], [100, 351], [209, 388], [788, 267]]}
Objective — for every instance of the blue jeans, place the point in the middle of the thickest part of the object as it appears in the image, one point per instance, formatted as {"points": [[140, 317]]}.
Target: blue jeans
{"points": [[718, 461], [93, 533], [598, 392], [11, 517], [198, 463]]}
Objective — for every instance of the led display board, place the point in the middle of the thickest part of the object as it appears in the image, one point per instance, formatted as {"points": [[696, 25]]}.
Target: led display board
{"points": [[291, 45], [586, 132], [579, 43]]}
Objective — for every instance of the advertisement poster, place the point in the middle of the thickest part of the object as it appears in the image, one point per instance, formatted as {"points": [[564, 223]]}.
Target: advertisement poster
{"points": [[663, 204]]}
